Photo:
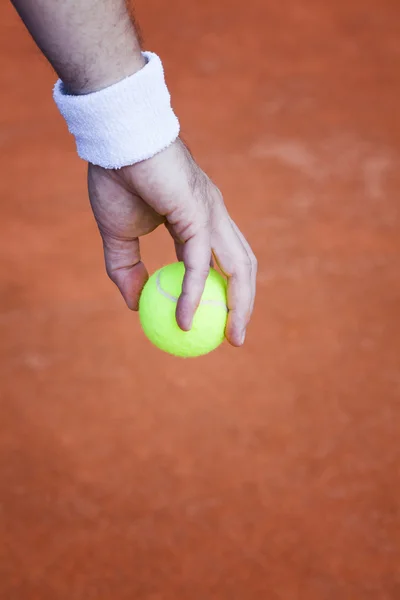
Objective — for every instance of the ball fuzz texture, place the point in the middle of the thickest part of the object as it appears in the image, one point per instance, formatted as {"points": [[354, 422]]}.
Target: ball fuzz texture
{"points": [[157, 310]]}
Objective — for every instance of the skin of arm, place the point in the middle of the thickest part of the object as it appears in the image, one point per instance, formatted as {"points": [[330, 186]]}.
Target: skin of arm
{"points": [[91, 45]]}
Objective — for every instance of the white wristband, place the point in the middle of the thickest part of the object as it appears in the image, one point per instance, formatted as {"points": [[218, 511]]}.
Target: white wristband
{"points": [[125, 123]]}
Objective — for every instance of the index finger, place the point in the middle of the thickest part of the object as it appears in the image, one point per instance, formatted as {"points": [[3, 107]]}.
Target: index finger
{"points": [[196, 256]]}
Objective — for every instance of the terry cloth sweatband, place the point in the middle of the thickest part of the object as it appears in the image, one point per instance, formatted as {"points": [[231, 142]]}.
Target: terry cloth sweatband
{"points": [[124, 123]]}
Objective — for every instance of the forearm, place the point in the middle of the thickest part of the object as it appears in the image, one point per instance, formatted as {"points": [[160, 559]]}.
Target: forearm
{"points": [[91, 44]]}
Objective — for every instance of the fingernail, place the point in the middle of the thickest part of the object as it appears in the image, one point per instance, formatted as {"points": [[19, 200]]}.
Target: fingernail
{"points": [[243, 338]]}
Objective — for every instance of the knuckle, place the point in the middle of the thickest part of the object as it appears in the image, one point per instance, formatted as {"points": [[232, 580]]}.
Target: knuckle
{"points": [[111, 274], [248, 263], [218, 193], [199, 274], [245, 264]]}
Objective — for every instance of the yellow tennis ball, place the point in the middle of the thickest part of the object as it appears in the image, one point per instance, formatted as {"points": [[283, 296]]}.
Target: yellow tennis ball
{"points": [[157, 309]]}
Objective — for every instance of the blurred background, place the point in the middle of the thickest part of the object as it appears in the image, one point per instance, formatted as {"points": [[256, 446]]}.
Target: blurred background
{"points": [[270, 472]]}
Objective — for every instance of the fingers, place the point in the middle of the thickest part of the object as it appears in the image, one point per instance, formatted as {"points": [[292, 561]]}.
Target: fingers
{"points": [[232, 252], [125, 268], [196, 255], [237, 261]]}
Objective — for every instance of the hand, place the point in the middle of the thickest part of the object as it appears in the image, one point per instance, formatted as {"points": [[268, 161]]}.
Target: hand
{"points": [[171, 189]]}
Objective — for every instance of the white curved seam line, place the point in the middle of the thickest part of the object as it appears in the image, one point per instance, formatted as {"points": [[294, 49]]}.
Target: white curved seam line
{"points": [[163, 292], [175, 299]]}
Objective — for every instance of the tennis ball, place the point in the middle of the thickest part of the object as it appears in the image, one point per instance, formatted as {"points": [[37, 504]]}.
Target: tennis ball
{"points": [[157, 309]]}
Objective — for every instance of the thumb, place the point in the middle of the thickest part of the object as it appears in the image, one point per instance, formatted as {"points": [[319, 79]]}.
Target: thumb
{"points": [[125, 268]]}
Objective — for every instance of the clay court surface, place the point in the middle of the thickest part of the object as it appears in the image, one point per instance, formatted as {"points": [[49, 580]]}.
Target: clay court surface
{"points": [[266, 473]]}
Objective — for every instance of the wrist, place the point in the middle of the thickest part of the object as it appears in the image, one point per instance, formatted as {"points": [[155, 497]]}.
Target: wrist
{"points": [[124, 123], [99, 77]]}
